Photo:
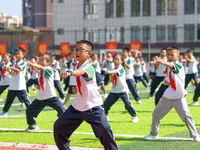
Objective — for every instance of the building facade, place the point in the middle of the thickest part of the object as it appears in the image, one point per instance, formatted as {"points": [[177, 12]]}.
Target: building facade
{"points": [[38, 14], [156, 23], [10, 22]]}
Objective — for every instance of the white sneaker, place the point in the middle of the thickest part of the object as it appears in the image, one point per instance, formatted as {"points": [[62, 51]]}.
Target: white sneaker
{"points": [[150, 137], [107, 118], [105, 95], [194, 103], [4, 115], [135, 119], [197, 139], [151, 97], [62, 100], [139, 102], [32, 128]]}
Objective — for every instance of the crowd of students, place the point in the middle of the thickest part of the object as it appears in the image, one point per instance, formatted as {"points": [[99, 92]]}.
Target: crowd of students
{"points": [[82, 72]]}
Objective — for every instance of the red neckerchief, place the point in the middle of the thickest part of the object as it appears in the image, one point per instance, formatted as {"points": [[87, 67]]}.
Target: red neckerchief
{"points": [[15, 73], [114, 80], [188, 63], [165, 72], [78, 82], [73, 64], [53, 65], [172, 83], [157, 64], [41, 82], [3, 71], [199, 65], [31, 70]]}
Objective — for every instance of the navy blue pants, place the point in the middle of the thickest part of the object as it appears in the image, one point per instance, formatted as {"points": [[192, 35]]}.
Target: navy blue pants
{"points": [[140, 78], [113, 97], [71, 120], [160, 93], [188, 78], [3, 88], [37, 106], [11, 96], [66, 82], [132, 87], [106, 79], [145, 77], [99, 79], [31, 82], [154, 84], [196, 93], [58, 88]]}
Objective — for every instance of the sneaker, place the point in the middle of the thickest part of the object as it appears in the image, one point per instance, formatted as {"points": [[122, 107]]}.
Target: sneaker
{"points": [[105, 95], [150, 137], [194, 103], [107, 118], [62, 100], [4, 115], [197, 139], [135, 119], [32, 128], [139, 102], [150, 97]]}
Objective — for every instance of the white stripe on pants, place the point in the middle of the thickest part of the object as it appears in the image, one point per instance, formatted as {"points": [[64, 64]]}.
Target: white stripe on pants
{"points": [[181, 107]]}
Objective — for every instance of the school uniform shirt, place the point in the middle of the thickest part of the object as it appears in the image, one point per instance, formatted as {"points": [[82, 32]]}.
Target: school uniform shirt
{"points": [[110, 65], [152, 68], [138, 69], [33, 73], [87, 91], [144, 70], [129, 72], [160, 69], [46, 84], [96, 66], [17, 81], [4, 80], [55, 65], [70, 67], [192, 66], [166, 75], [176, 89], [61, 68], [133, 61], [119, 81]]}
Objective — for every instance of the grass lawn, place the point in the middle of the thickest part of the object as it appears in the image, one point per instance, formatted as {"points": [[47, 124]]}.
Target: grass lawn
{"points": [[120, 122]]}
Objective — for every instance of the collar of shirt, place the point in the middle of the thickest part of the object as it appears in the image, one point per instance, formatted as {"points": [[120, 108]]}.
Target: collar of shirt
{"points": [[19, 62], [85, 63]]}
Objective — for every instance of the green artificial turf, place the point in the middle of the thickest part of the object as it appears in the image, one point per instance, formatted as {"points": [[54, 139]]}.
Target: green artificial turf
{"points": [[120, 122]]}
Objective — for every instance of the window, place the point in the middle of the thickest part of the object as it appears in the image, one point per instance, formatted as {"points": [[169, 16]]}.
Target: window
{"points": [[146, 7], [110, 34], [189, 6], [135, 7], [198, 6], [146, 33], [109, 9], [189, 32], [94, 9], [91, 34], [160, 32], [135, 33], [120, 34], [87, 9], [60, 31], [198, 32], [172, 7], [172, 33], [160, 7], [120, 8], [60, 1]]}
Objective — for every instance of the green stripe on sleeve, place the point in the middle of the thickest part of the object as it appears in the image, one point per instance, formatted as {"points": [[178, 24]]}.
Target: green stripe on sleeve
{"points": [[89, 69], [48, 72], [121, 71], [177, 68]]}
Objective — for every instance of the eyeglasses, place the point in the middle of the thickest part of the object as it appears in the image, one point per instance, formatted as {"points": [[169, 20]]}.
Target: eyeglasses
{"points": [[80, 50]]}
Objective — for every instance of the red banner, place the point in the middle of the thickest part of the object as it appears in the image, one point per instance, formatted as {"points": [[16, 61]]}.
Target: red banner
{"points": [[111, 46], [24, 46], [135, 45], [42, 47], [3, 48], [64, 49]]}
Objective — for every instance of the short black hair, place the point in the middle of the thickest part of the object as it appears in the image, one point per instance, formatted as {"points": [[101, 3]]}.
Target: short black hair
{"points": [[189, 51], [88, 43], [174, 48], [47, 56], [126, 49], [163, 49], [33, 57], [20, 49], [118, 55]]}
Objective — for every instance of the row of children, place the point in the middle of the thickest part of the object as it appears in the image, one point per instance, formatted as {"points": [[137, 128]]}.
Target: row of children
{"points": [[87, 105]]}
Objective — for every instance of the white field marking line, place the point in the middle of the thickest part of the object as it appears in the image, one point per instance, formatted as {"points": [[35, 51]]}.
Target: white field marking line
{"points": [[91, 133], [16, 104]]}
